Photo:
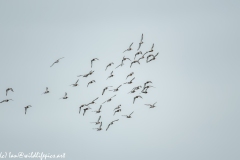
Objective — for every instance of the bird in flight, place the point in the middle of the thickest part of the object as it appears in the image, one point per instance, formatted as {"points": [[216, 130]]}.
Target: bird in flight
{"points": [[91, 82], [99, 110], [86, 75], [124, 59], [115, 90], [130, 82], [94, 59], [47, 91], [118, 107], [6, 100], [151, 48], [85, 109], [141, 42], [111, 123], [109, 65], [136, 98], [27, 108], [137, 54], [97, 121], [65, 97], [105, 89], [128, 116], [75, 84], [151, 105], [109, 99], [9, 89], [130, 74], [111, 75], [99, 128], [154, 57], [136, 61], [93, 102], [147, 83], [119, 110], [56, 61], [129, 48], [81, 107]]}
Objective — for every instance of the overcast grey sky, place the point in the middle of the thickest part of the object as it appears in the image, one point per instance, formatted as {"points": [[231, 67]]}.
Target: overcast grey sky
{"points": [[196, 76]]}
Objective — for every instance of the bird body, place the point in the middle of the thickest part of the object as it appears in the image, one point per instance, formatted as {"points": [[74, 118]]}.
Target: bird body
{"points": [[56, 61]]}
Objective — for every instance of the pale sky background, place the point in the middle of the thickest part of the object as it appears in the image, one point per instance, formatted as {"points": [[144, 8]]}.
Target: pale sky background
{"points": [[196, 76]]}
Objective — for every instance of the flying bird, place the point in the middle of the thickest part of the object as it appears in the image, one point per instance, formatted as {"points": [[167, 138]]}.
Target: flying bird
{"points": [[118, 107], [86, 75], [65, 97], [151, 48], [9, 89], [124, 59], [137, 54], [6, 100], [119, 110], [111, 75], [109, 65], [99, 110], [91, 82], [27, 108], [94, 59], [130, 82], [56, 61], [128, 116], [111, 123], [109, 99], [115, 90], [154, 57], [97, 121], [105, 89], [151, 105], [85, 109], [147, 83], [75, 84], [141, 42], [47, 91], [129, 48], [137, 61], [136, 98], [93, 102], [130, 74]]}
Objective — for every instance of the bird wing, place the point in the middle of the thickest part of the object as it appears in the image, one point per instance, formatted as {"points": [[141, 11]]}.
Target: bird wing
{"points": [[80, 109], [131, 45], [132, 79], [139, 46], [25, 110], [156, 55], [77, 81], [154, 103], [103, 91], [131, 113], [111, 72], [134, 100], [100, 125], [142, 37], [65, 93], [52, 64], [99, 118], [100, 107], [60, 58], [91, 63], [115, 120], [107, 127], [119, 86], [152, 45], [95, 99]]}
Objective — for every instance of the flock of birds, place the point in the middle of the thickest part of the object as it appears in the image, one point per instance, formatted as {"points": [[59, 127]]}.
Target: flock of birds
{"points": [[145, 87]]}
